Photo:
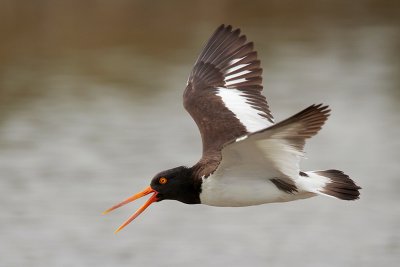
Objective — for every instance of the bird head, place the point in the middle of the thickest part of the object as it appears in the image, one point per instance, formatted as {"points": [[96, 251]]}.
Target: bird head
{"points": [[175, 184]]}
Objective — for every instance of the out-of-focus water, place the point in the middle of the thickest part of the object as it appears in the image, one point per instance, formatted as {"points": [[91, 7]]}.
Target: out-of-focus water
{"points": [[91, 109]]}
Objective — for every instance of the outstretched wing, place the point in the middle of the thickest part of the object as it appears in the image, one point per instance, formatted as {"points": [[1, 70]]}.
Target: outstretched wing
{"points": [[223, 93], [279, 148]]}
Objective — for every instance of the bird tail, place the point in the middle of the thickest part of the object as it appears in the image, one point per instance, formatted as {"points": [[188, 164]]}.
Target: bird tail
{"points": [[332, 183]]}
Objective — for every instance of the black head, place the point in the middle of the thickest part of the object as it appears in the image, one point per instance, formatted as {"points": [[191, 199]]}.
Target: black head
{"points": [[176, 184]]}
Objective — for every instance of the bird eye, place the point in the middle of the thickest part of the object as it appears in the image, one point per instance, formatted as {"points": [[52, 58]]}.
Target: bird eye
{"points": [[163, 180]]}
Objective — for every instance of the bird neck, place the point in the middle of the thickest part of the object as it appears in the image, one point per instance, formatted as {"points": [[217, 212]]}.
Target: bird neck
{"points": [[206, 166]]}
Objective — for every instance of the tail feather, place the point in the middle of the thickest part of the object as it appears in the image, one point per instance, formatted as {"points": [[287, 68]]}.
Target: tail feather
{"points": [[340, 185], [333, 183]]}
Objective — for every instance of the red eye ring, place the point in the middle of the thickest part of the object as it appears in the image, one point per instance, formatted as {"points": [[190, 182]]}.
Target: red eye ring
{"points": [[163, 180]]}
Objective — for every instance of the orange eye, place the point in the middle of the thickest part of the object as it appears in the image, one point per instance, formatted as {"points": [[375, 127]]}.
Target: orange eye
{"points": [[163, 180]]}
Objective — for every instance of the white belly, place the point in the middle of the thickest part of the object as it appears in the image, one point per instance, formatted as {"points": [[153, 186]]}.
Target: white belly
{"points": [[243, 190]]}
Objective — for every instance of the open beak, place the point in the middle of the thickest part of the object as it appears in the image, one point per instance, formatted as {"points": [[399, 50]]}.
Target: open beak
{"points": [[146, 191]]}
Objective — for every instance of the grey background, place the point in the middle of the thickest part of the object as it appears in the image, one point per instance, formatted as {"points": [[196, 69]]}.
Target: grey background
{"points": [[90, 110]]}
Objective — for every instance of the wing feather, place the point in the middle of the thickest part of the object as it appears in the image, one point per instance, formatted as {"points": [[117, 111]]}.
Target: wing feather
{"points": [[281, 145], [223, 94]]}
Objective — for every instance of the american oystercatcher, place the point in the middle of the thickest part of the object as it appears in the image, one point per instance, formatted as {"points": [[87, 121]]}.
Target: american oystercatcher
{"points": [[247, 158]]}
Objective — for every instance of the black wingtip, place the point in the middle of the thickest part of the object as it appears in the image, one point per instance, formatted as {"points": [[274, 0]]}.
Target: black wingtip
{"points": [[228, 28]]}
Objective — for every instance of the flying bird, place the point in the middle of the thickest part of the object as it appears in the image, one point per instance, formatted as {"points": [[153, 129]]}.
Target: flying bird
{"points": [[247, 158]]}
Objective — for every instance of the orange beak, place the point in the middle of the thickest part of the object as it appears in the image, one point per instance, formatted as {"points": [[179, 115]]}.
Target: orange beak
{"points": [[146, 191]]}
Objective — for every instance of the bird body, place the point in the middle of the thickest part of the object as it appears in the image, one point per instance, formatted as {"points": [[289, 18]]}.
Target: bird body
{"points": [[247, 158], [263, 167]]}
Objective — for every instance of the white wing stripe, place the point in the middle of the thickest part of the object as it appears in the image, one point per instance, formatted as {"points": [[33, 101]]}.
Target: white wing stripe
{"points": [[235, 82], [231, 76], [233, 61], [237, 67], [236, 102]]}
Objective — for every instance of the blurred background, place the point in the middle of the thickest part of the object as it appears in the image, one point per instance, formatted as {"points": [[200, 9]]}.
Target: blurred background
{"points": [[91, 108]]}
